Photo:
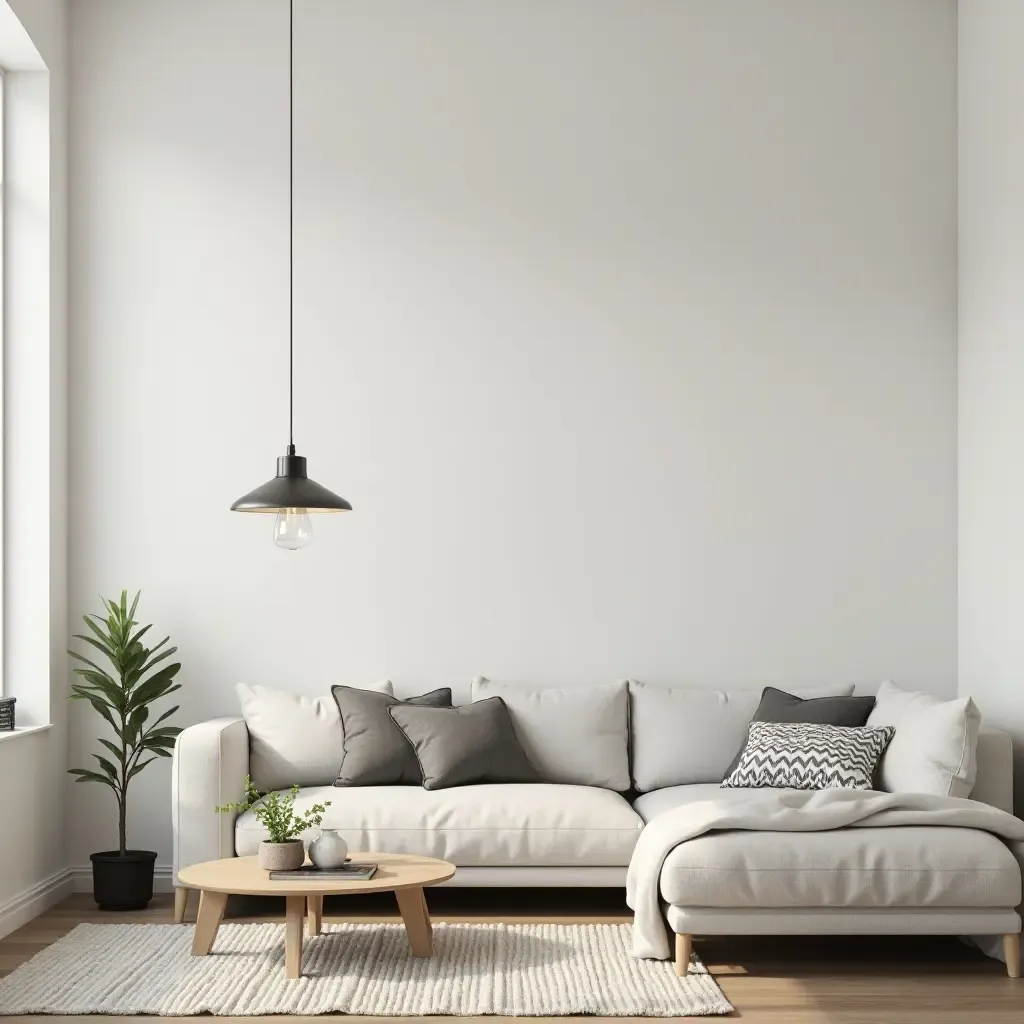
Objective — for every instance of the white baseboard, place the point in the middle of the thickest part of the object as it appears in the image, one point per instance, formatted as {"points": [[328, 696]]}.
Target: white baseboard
{"points": [[163, 878], [32, 902]]}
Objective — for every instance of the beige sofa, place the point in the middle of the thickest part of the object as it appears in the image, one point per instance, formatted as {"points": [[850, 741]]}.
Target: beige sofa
{"points": [[848, 881]]}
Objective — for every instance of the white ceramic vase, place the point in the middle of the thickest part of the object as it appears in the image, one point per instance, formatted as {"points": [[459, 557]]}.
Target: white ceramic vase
{"points": [[329, 850], [281, 856]]}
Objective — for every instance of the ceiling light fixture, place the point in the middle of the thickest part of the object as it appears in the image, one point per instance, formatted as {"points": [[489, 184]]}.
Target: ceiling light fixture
{"points": [[291, 495]]}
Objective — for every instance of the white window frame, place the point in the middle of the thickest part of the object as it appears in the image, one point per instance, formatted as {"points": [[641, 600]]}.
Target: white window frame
{"points": [[3, 335]]}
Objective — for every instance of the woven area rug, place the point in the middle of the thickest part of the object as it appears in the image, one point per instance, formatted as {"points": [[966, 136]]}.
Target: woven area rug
{"points": [[514, 969]]}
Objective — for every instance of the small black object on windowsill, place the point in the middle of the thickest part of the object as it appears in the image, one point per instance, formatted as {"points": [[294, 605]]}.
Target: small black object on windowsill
{"points": [[7, 714]]}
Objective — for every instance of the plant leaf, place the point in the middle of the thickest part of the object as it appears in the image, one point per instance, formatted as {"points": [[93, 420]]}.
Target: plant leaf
{"points": [[138, 636], [99, 646], [91, 664], [106, 638], [108, 688], [97, 705], [166, 714], [106, 766], [138, 768], [160, 657], [154, 687], [87, 776], [118, 752]]}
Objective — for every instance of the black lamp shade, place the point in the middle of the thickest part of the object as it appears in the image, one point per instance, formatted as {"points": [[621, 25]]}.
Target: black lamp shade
{"points": [[291, 488]]}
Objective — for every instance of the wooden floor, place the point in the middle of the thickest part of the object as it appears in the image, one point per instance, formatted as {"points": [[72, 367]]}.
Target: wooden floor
{"points": [[888, 980]]}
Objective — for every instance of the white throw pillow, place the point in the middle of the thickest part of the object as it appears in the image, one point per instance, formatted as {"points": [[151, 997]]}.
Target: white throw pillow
{"points": [[934, 748], [682, 735], [293, 739], [576, 736]]}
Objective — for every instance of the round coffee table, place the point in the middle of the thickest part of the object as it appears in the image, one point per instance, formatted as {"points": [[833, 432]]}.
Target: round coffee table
{"points": [[404, 875]]}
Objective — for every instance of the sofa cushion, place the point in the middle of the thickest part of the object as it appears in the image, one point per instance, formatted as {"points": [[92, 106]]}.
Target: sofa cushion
{"points": [[779, 706], [682, 736], [293, 740], [648, 805], [464, 746], [489, 825], [375, 753], [935, 745], [804, 755], [577, 735], [896, 866]]}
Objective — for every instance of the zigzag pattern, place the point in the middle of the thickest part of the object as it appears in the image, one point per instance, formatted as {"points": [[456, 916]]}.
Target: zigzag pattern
{"points": [[804, 756]]}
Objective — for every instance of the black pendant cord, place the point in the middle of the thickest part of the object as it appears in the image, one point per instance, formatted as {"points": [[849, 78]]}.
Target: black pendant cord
{"points": [[291, 227]]}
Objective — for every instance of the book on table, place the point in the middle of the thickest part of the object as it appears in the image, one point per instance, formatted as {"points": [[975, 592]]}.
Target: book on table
{"points": [[349, 872]]}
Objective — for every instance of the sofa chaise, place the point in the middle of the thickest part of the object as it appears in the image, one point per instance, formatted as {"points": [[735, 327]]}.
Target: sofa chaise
{"points": [[626, 754]]}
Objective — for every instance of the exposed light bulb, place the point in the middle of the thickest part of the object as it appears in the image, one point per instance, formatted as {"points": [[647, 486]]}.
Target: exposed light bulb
{"points": [[292, 529]]}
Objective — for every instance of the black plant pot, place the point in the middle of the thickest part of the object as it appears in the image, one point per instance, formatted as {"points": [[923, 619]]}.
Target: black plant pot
{"points": [[122, 883]]}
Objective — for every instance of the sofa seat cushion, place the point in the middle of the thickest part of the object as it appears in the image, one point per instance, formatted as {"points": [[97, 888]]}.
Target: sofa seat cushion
{"points": [[502, 825], [650, 804], [894, 866]]}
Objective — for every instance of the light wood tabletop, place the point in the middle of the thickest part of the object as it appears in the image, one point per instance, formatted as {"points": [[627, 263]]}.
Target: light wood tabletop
{"points": [[406, 875]]}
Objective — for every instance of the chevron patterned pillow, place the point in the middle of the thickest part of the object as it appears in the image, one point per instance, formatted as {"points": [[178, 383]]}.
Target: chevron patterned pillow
{"points": [[803, 756]]}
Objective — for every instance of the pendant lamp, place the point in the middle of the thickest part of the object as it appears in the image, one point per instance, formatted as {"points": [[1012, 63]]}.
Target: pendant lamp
{"points": [[291, 495]]}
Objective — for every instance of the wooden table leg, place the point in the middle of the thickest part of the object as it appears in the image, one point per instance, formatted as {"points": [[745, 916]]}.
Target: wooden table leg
{"points": [[295, 909], [413, 905], [180, 903], [211, 912], [314, 914]]}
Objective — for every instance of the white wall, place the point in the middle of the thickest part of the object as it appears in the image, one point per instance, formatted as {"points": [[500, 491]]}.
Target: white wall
{"points": [[992, 364], [628, 329], [33, 850]]}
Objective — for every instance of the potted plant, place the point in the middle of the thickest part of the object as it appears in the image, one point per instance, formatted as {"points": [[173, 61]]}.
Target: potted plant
{"points": [[122, 879], [283, 851]]}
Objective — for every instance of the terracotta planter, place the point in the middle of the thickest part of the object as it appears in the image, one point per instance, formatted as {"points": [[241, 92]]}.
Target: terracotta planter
{"points": [[281, 856]]}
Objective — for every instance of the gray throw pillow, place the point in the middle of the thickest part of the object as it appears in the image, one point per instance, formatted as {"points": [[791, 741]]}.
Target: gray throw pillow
{"points": [[375, 753], [779, 706], [465, 745], [799, 755]]}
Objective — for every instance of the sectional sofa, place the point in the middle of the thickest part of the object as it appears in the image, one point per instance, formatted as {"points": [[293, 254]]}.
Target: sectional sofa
{"points": [[613, 758]]}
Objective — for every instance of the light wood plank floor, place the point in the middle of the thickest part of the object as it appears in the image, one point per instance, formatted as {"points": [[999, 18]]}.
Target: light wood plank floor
{"points": [[886, 980]]}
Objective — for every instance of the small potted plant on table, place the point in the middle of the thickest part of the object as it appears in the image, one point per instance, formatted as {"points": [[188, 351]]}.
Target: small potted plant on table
{"points": [[283, 851], [122, 879]]}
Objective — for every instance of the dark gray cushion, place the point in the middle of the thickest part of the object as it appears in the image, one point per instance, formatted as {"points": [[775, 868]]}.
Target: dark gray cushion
{"points": [[781, 707], [465, 745], [375, 751]]}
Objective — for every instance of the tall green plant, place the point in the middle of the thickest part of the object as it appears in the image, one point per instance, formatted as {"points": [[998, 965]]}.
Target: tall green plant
{"points": [[123, 698]]}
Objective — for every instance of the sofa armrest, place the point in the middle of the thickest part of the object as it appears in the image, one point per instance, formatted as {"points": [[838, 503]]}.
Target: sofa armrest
{"points": [[211, 761], [994, 781]]}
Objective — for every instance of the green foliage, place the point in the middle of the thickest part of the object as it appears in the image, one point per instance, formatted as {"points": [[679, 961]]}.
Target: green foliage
{"points": [[122, 698], [275, 812]]}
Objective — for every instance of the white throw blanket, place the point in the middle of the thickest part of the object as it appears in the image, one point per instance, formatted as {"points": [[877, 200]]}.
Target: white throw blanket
{"points": [[787, 810]]}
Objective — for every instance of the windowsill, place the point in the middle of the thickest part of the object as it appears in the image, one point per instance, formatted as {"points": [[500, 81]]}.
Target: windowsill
{"points": [[23, 730]]}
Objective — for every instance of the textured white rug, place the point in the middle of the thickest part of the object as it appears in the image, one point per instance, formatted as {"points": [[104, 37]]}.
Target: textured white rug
{"points": [[514, 969]]}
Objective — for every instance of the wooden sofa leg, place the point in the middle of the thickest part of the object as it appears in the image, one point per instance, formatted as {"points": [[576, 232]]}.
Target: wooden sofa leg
{"points": [[684, 945], [1011, 952], [180, 904]]}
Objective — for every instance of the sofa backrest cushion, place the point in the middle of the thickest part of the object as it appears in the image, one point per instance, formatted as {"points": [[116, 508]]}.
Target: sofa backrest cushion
{"points": [[681, 736], [293, 740], [934, 749], [576, 736]]}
